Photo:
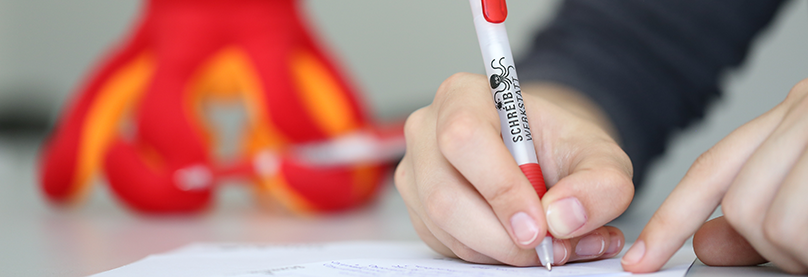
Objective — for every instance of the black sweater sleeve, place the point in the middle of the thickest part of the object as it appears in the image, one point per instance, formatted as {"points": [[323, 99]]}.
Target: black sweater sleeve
{"points": [[652, 65]]}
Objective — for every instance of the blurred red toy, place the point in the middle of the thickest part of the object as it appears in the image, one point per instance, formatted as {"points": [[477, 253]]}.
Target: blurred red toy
{"points": [[309, 144]]}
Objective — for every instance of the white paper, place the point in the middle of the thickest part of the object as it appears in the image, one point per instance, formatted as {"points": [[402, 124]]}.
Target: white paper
{"points": [[348, 259], [430, 267]]}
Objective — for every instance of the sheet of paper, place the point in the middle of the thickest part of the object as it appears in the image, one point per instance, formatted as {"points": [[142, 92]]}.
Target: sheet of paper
{"points": [[431, 267], [359, 258]]}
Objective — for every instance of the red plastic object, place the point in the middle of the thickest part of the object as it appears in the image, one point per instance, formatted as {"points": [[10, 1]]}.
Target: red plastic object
{"points": [[495, 11], [140, 118], [533, 173]]}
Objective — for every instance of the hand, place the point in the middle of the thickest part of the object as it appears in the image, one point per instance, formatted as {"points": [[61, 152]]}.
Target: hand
{"points": [[467, 197], [759, 175]]}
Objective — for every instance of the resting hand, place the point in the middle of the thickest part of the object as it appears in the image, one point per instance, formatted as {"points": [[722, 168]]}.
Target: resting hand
{"points": [[759, 175], [467, 197]]}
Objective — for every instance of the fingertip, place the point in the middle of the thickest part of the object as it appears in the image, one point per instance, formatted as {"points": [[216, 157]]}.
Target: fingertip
{"points": [[592, 246], [525, 229], [616, 242], [565, 216], [682, 213], [649, 253], [716, 243], [586, 200], [633, 256], [561, 251], [602, 243]]}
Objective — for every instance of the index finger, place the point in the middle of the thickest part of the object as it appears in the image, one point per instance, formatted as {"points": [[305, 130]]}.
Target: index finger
{"points": [[697, 195], [468, 132]]}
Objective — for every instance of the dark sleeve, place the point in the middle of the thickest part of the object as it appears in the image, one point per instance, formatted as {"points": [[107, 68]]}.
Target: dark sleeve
{"points": [[653, 65]]}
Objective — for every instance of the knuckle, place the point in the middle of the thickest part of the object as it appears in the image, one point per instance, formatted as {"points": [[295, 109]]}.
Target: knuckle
{"points": [[399, 177], [739, 213], [660, 221], [798, 92], [704, 163], [800, 108], [777, 235], [663, 222], [447, 86], [465, 253], [784, 233], [622, 168], [620, 187], [502, 193], [438, 206], [801, 87], [458, 130], [803, 84], [730, 212], [457, 80], [439, 247], [422, 231], [626, 165], [413, 124]]}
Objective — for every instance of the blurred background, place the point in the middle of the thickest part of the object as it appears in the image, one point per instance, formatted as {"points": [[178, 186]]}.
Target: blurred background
{"points": [[398, 53]]}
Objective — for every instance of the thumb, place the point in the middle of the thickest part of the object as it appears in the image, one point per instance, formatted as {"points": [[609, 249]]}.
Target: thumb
{"points": [[718, 244]]}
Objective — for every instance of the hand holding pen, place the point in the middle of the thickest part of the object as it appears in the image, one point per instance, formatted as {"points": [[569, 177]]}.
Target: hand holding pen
{"points": [[468, 198], [463, 189]]}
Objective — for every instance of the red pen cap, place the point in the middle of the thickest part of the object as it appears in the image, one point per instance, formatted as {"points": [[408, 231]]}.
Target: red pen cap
{"points": [[495, 11]]}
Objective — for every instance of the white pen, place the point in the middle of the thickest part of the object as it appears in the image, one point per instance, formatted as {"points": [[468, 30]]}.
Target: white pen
{"points": [[489, 18]]}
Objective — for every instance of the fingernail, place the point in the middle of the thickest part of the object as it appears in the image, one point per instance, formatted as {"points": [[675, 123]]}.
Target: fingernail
{"points": [[590, 246], [565, 216], [524, 227], [614, 245], [634, 253], [559, 252]]}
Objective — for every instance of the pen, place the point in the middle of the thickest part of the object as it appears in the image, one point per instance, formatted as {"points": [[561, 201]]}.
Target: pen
{"points": [[489, 18]]}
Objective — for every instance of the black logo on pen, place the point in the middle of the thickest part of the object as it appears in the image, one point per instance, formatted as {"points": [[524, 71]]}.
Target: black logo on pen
{"points": [[508, 100], [503, 78]]}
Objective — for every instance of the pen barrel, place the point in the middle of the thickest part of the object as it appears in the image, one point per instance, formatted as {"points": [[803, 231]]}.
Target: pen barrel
{"points": [[504, 85]]}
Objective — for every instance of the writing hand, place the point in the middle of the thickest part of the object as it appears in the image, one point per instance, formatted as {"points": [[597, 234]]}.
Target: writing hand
{"points": [[467, 197], [759, 175]]}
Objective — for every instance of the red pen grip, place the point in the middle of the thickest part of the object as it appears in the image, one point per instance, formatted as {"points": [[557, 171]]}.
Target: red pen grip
{"points": [[533, 173]]}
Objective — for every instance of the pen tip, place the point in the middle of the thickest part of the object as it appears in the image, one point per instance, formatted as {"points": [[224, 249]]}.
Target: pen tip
{"points": [[549, 267]]}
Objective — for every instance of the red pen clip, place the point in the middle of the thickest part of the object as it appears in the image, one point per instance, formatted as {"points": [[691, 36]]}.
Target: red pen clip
{"points": [[495, 11]]}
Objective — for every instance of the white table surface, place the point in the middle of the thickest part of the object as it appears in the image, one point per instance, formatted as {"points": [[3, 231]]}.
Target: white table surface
{"points": [[39, 240]]}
